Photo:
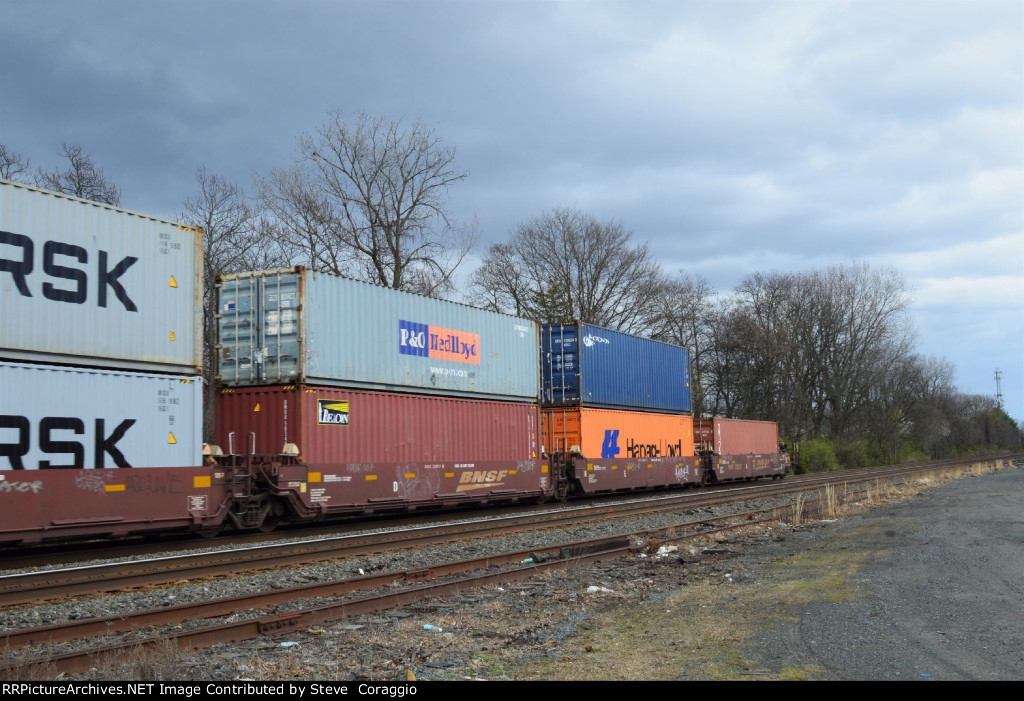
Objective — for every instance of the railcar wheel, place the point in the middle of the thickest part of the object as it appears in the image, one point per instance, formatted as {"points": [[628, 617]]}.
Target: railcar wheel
{"points": [[211, 531], [269, 524]]}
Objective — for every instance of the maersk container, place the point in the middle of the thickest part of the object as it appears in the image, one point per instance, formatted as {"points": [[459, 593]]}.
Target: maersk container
{"points": [[292, 325], [83, 283], [585, 365], [606, 434], [736, 436], [334, 425], [61, 417]]}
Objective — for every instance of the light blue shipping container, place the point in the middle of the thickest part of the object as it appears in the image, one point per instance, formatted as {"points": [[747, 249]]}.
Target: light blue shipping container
{"points": [[87, 418], [292, 325], [589, 366], [83, 283]]}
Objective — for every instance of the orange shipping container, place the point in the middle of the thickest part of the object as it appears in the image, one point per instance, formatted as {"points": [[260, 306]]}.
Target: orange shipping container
{"points": [[609, 434]]}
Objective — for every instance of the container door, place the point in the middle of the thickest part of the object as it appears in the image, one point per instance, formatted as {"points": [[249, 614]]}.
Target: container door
{"points": [[260, 330], [560, 365]]}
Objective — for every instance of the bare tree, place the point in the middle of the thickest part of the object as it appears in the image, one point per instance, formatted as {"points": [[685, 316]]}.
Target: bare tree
{"points": [[82, 178], [370, 200], [234, 239], [12, 165], [566, 265], [685, 312], [824, 353]]}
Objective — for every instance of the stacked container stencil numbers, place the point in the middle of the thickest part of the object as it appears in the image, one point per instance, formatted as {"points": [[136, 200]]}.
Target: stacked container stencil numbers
{"points": [[100, 340]]}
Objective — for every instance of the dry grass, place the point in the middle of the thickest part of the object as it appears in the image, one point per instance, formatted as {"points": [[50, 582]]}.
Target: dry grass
{"points": [[830, 502], [798, 510], [15, 667], [157, 661], [837, 501]]}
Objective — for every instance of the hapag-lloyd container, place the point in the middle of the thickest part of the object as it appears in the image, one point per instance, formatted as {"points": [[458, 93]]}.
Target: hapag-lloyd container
{"points": [[604, 434], [585, 365], [736, 436], [62, 417], [293, 325], [333, 425], [83, 283]]}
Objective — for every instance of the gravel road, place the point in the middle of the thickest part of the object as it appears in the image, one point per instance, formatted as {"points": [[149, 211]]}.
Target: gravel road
{"points": [[940, 589]]}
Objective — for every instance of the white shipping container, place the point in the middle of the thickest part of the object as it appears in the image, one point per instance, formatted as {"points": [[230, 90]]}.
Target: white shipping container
{"points": [[60, 417], [84, 283]]}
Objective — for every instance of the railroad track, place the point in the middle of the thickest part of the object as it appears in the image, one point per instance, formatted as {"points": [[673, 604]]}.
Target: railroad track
{"points": [[41, 585], [453, 576]]}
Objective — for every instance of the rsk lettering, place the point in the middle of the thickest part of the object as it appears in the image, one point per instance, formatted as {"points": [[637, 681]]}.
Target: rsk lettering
{"points": [[59, 263], [50, 430]]}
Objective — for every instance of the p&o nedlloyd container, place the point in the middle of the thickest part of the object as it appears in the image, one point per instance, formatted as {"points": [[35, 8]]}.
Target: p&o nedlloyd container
{"points": [[62, 417], [83, 283], [296, 326], [589, 366]]}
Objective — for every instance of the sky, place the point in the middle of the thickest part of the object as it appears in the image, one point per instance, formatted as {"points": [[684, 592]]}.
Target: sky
{"points": [[735, 137]]}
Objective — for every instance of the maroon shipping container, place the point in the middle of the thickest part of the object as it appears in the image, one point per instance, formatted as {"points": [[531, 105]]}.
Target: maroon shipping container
{"points": [[736, 436], [331, 425]]}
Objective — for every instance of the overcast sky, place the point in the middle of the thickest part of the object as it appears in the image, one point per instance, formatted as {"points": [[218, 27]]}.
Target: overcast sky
{"points": [[736, 137]]}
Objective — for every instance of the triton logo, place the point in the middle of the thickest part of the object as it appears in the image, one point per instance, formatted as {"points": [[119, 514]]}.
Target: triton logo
{"points": [[331, 412], [590, 340]]}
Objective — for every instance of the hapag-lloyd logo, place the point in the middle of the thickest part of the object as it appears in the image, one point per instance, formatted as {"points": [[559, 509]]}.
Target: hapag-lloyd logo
{"points": [[590, 340], [429, 341]]}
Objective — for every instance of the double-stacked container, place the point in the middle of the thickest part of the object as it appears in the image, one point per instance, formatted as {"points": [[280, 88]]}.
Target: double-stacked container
{"points": [[352, 373], [100, 367], [100, 335], [610, 395], [621, 401]]}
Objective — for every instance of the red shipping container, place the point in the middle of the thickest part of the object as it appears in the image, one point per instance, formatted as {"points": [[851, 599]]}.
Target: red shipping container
{"points": [[331, 425], [736, 436]]}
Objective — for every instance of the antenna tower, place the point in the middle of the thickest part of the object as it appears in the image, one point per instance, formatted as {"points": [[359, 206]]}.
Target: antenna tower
{"points": [[999, 388]]}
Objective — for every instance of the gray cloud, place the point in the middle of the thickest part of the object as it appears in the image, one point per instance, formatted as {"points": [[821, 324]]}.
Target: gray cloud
{"points": [[735, 137]]}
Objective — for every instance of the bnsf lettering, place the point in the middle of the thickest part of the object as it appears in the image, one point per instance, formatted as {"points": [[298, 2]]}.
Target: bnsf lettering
{"points": [[53, 434], [482, 476], [59, 263]]}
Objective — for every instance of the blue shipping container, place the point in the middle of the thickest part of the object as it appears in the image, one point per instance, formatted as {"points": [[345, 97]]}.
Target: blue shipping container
{"points": [[584, 365]]}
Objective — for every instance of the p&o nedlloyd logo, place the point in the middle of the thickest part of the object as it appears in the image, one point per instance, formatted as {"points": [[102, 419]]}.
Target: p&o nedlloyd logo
{"points": [[590, 340], [429, 341]]}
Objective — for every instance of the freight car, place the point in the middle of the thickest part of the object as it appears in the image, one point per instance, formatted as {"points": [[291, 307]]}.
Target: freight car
{"points": [[322, 414], [249, 492]]}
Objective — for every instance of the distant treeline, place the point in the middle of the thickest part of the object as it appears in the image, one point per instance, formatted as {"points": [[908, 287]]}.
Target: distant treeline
{"points": [[828, 354]]}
